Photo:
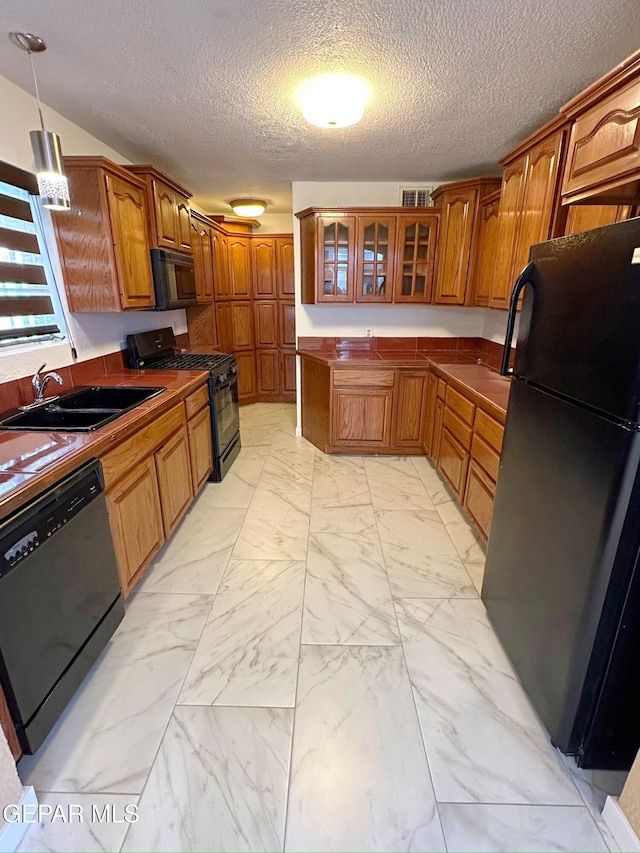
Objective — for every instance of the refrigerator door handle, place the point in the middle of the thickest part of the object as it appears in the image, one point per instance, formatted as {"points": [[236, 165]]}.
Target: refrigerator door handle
{"points": [[526, 277]]}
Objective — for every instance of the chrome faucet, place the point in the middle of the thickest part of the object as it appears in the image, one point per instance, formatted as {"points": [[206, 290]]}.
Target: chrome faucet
{"points": [[39, 387]]}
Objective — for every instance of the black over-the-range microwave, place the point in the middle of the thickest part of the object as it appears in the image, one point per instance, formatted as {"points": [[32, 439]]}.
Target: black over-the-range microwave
{"points": [[174, 279]]}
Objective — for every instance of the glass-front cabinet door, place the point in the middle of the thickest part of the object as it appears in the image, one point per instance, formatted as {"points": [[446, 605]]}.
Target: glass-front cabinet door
{"points": [[374, 261], [336, 243], [416, 257]]}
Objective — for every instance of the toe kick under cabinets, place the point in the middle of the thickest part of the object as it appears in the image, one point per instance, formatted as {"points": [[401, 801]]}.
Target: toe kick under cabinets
{"points": [[408, 411]]}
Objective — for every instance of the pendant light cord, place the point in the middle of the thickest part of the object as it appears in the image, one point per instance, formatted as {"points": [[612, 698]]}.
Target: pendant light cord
{"points": [[35, 83]]}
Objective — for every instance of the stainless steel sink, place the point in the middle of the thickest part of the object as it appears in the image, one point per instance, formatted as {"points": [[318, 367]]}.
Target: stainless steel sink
{"points": [[83, 410]]}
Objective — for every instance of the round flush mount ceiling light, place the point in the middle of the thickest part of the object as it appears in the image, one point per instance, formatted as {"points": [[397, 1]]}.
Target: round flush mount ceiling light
{"points": [[334, 100], [248, 206]]}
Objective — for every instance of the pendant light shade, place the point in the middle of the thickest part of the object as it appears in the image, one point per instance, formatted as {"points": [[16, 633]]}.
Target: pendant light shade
{"points": [[53, 186], [248, 206]]}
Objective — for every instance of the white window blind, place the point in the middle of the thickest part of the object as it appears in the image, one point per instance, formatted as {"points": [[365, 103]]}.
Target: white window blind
{"points": [[27, 310]]}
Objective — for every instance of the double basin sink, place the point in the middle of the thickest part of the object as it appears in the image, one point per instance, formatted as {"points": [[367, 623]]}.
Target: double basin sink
{"points": [[83, 410]]}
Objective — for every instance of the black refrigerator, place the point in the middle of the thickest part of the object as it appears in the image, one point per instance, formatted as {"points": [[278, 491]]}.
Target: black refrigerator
{"points": [[562, 580]]}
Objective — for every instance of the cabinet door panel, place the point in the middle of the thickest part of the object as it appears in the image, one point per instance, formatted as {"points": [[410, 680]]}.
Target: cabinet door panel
{"points": [[415, 258], [584, 217], [263, 259], [362, 417], [207, 264], [540, 192], [166, 208], [336, 248], [246, 376], [268, 371], [200, 448], [453, 461], [287, 324], [375, 255], [478, 499], [285, 267], [288, 373], [239, 267], [487, 251], [184, 226], [430, 412], [266, 314], [136, 520], [220, 251], [508, 225], [456, 227], [173, 465], [410, 408], [242, 318], [224, 326], [437, 429], [128, 215]]}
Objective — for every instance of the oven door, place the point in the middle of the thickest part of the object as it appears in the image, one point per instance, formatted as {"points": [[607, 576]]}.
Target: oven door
{"points": [[226, 413]]}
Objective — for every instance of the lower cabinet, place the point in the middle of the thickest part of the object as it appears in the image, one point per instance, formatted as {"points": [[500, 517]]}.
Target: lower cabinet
{"points": [[362, 416], [173, 466], [408, 423], [268, 372], [247, 385], [478, 498], [135, 516], [6, 723], [150, 481], [453, 461]]}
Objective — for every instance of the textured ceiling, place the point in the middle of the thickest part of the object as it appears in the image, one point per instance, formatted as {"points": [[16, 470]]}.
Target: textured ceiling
{"points": [[205, 88]]}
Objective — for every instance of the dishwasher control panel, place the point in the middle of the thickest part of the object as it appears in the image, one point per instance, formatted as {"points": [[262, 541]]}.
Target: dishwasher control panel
{"points": [[30, 528]]}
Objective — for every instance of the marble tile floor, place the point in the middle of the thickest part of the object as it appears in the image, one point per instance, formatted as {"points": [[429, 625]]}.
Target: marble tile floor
{"points": [[308, 666]]}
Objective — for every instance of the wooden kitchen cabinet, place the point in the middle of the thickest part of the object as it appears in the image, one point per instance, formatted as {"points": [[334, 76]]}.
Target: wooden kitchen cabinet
{"points": [[484, 465], [327, 256], [200, 448], [409, 408], [479, 497], [285, 267], [220, 252], [135, 517], [415, 257], [173, 465], [431, 393], [264, 259], [362, 416], [169, 223], [603, 162], [584, 217], [375, 237], [288, 374], [287, 324], [203, 258], [239, 264], [458, 238], [266, 324], [242, 321], [268, 372], [529, 209], [102, 240], [6, 723], [247, 380], [487, 249]]}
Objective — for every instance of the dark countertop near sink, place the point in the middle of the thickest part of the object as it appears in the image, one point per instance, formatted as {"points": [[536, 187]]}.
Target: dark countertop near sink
{"points": [[460, 368], [31, 461]]}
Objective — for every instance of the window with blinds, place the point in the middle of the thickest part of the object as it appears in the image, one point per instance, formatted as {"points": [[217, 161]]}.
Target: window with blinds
{"points": [[27, 311]]}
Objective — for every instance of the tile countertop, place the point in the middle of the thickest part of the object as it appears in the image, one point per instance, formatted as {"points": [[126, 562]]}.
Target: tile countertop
{"points": [[484, 385], [31, 461]]}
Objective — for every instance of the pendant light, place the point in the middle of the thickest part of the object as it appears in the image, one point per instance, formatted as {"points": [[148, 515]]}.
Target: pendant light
{"points": [[53, 186], [248, 206]]}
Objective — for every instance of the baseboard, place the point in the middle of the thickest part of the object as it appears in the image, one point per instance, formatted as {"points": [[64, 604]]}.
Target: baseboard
{"points": [[298, 430], [619, 827], [12, 834]]}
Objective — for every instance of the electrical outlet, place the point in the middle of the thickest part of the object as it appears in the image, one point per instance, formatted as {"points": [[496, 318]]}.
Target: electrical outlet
{"points": [[368, 332]]}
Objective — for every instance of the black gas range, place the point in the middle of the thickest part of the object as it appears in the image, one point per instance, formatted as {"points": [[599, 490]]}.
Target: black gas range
{"points": [[157, 351]]}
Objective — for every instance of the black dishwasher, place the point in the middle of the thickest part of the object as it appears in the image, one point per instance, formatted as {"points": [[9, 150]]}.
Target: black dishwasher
{"points": [[59, 599]]}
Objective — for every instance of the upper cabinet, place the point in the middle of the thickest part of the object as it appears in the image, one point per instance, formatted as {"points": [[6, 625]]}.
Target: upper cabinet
{"points": [[458, 240], [272, 267], [102, 240], [285, 267], [529, 210], [487, 248], [239, 259], [367, 254], [169, 212], [603, 162], [202, 257]]}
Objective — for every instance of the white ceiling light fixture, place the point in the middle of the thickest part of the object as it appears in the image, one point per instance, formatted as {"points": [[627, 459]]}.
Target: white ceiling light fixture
{"points": [[248, 206], [53, 186], [334, 99]]}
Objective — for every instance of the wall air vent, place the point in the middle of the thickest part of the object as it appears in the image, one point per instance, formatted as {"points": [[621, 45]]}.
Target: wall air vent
{"points": [[418, 196]]}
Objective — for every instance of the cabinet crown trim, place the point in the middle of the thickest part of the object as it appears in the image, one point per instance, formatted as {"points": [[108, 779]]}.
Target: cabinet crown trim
{"points": [[558, 122], [373, 211], [618, 77], [152, 172]]}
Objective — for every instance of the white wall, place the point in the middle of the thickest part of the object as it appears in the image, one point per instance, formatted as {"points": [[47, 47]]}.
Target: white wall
{"points": [[383, 320], [93, 334]]}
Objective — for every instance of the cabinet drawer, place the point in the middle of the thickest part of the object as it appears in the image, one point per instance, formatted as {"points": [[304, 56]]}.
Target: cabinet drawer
{"points": [[194, 402], [485, 456], [345, 378], [453, 461], [460, 405], [442, 389], [119, 461], [478, 499], [457, 428], [489, 430]]}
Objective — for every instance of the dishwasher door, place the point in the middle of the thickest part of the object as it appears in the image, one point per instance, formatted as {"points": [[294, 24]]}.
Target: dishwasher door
{"points": [[59, 600]]}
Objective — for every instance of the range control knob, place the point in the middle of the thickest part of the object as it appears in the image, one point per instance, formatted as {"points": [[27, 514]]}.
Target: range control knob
{"points": [[222, 377]]}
